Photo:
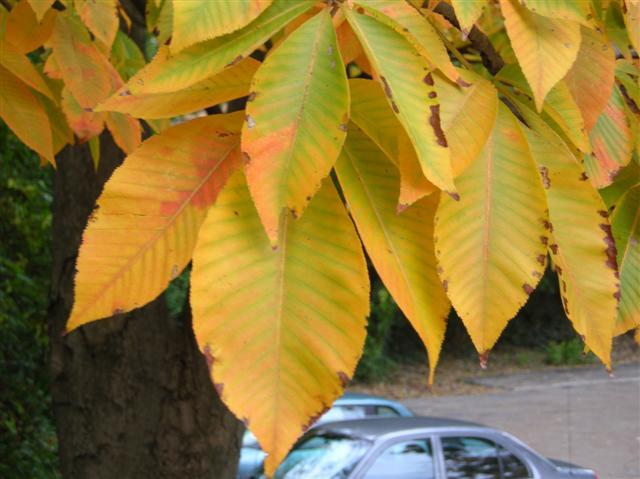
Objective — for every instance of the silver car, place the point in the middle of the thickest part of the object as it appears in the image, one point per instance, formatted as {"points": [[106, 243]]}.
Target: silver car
{"points": [[349, 406], [418, 448]]}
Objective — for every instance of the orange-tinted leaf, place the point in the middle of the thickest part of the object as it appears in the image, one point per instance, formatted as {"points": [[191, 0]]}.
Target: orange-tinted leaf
{"points": [[101, 17], [296, 121], [41, 7], [612, 142], [592, 75], [545, 47], [24, 114], [231, 83], [85, 123], [86, 71], [24, 29], [21, 66], [126, 131], [147, 219]]}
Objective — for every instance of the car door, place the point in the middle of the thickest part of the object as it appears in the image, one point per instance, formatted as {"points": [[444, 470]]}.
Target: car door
{"points": [[401, 458], [474, 455]]}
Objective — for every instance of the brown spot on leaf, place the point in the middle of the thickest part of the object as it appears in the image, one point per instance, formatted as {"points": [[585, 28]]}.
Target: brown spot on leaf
{"points": [[603, 213], [252, 96], [544, 240], [117, 311], [235, 61], [611, 247], [544, 175], [433, 94], [583, 176], [387, 88], [434, 121], [454, 196], [527, 288], [428, 79], [484, 359], [401, 208], [566, 304], [537, 274], [208, 356], [547, 225], [439, 270], [344, 379], [542, 258], [564, 286], [312, 419], [554, 248], [395, 107], [617, 295], [445, 285]]}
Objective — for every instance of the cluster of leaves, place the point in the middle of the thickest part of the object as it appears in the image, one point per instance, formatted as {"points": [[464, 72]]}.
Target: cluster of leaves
{"points": [[27, 436], [472, 145]]}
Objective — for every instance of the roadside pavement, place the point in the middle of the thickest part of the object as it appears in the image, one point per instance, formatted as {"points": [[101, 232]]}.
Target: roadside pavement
{"points": [[578, 415]]}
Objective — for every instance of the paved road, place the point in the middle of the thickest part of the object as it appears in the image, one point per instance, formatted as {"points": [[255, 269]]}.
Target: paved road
{"points": [[581, 416]]}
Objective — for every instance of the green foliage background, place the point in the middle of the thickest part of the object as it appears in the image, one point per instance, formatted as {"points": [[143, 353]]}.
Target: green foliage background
{"points": [[27, 435]]}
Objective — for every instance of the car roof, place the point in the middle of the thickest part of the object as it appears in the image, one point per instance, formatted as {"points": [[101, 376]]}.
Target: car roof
{"points": [[372, 428]]}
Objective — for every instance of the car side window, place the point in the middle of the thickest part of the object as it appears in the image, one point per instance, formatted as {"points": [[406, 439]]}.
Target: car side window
{"points": [[408, 459], [386, 411], [479, 458]]}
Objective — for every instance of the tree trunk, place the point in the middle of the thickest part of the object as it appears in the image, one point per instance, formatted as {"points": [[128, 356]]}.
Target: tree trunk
{"points": [[132, 396]]}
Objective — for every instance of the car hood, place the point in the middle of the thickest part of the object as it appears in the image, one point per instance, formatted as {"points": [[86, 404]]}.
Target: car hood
{"points": [[572, 469]]}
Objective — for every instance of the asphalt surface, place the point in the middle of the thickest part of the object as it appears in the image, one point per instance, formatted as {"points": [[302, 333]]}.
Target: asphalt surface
{"points": [[579, 415]]}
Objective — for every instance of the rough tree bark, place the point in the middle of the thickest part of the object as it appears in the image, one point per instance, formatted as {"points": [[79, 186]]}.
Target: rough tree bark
{"points": [[131, 394]]}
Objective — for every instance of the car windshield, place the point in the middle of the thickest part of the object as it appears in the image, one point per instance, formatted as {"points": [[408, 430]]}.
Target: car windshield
{"points": [[329, 456]]}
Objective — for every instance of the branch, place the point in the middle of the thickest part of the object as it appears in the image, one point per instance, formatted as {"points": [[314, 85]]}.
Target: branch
{"points": [[6, 4], [491, 59]]}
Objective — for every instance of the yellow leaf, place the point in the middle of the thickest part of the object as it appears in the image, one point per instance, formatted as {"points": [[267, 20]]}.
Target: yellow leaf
{"points": [[592, 75], [631, 11], [625, 223], [24, 114], [559, 105], [86, 124], [25, 31], [400, 246], [296, 121], [21, 66], [41, 7], [125, 56], [467, 115], [582, 246], [101, 17], [408, 85], [372, 113], [145, 227], [491, 245], [545, 47], [612, 142], [198, 20], [573, 10], [205, 59], [468, 12], [408, 21], [231, 83], [126, 131], [61, 133], [290, 319]]}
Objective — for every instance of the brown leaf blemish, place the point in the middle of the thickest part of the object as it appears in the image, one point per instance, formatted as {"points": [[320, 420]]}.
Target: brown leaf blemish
{"points": [[544, 240], [460, 81], [344, 379], [445, 285], [454, 196], [583, 176], [428, 79], [542, 258], [252, 96], [527, 288], [434, 121], [604, 214], [554, 248], [387, 88], [433, 94], [208, 356], [395, 107], [611, 250], [219, 387], [544, 175]]}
